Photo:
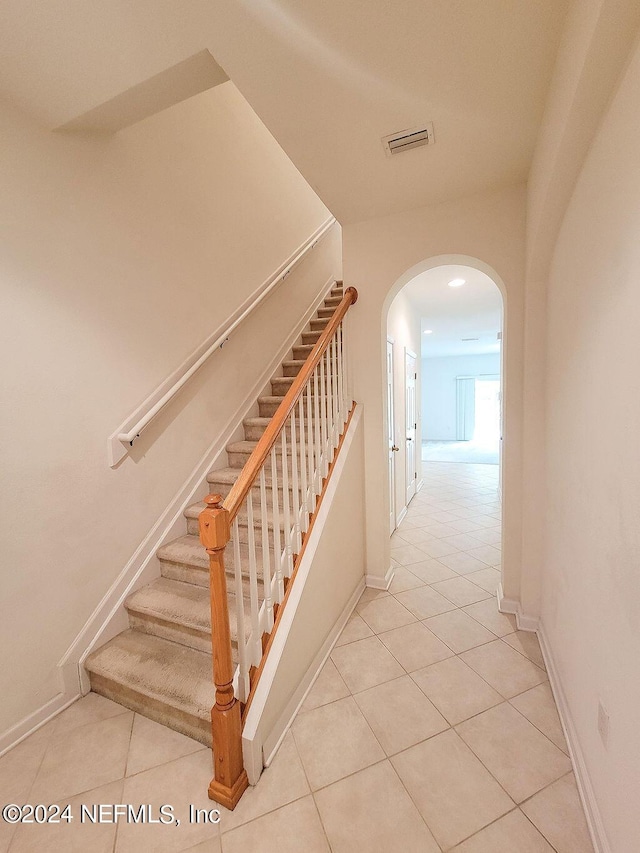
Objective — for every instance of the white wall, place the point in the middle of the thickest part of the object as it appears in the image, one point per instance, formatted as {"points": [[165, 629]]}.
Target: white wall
{"points": [[591, 596], [119, 256], [380, 256], [439, 390], [403, 326]]}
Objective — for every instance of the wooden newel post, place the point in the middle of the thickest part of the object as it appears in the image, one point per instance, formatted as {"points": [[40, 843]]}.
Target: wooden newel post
{"points": [[230, 779]]}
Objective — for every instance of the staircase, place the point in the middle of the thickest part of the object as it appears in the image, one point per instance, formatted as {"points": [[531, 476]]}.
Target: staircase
{"points": [[162, 666]]}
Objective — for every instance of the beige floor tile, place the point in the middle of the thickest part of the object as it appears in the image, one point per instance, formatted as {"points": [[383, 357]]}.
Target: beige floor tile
{"points": [[489, 536], [398, 540], [520, 757], [404, 579], [557, 813], [283, 782], [513, 833], [399, 714], [408, 554], [366, 663], [328, 687], [89, 709], [78, 836], [437, 548], [488, 554], [416, 535], [504, 668], [385, 614], [487, 614], [290, 829], [464, 525], [211, 845], [431, 571], [334, 741], [459, 631], [526, 642], [454, 793], [354, 820], [424, 602], [153, 744], [371, 593], [83, 758], [18, 768], [463, 563], [539, 707], [456, 690], [462, 541], [415, 646], [461, 591], [179, 783], [355, 629], [438, 530]]}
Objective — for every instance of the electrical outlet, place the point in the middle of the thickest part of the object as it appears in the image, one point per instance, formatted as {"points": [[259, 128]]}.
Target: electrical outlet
{"points": [[603, 724]]}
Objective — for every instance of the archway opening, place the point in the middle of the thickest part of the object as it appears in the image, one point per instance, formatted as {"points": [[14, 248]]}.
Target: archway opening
{"points": [[445, 423]]}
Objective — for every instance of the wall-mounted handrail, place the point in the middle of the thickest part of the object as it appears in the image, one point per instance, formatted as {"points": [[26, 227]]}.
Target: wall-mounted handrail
{"points": [[122, 440]]}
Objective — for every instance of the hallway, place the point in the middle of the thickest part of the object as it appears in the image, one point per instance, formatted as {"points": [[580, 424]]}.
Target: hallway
{"points": [[430, 728]]}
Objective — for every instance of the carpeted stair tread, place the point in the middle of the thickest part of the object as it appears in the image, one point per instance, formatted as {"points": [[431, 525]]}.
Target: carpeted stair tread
{"points": [[181, 604], [166, 672]]}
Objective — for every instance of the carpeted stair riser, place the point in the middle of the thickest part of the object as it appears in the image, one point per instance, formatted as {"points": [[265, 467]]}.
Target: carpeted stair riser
{"points": [[161, 680], [181, 613]]}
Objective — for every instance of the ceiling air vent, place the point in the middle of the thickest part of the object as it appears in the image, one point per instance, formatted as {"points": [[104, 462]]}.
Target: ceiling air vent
{"points": [[465, 340], [406, 139]]}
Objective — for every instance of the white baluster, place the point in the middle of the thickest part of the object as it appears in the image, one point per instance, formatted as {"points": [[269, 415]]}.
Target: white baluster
{"points": [[330, 414], [323, 409], [310, 449], [304, 521], [277, 540], [256, 638], [243, 677], [343, 414], [285, 504], [266, 557], [334, 386], [318, 424], [295, 483]]}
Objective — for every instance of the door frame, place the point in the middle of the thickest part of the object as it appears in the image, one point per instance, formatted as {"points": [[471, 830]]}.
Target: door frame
{"points": [[391, 433], [410, 485]]}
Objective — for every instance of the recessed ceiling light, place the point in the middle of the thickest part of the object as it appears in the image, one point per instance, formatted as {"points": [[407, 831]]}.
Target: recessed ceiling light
{"points": [[457, 282], [428, 331]]}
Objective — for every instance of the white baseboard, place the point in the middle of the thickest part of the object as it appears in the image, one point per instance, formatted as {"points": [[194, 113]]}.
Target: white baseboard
{"points": [[109, 618], [524, 621], [583, 781], [401, 516], [376, 582], [272, 743], [13, 736]]}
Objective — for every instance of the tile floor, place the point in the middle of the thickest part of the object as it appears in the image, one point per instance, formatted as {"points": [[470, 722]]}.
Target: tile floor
{"points": [[432, 727]]}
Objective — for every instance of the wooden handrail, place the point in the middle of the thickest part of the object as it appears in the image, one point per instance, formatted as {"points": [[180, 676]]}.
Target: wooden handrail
{"points": [[251, 470]]}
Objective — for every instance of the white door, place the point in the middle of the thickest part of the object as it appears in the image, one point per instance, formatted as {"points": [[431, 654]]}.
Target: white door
{"points": [[391, 436], [410, 423]]}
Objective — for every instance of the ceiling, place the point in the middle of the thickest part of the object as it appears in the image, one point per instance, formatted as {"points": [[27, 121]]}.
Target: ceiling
{"points": [[453, 313], [329, 78]]}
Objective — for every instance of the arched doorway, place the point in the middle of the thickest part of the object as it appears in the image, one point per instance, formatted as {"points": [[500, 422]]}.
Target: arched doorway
{"points": [[446, 316]]}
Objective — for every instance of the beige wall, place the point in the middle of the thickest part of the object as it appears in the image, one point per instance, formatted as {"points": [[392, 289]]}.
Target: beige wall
{"points": [[487, 230], [403, 325], [119, 257], [591, 600]]}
